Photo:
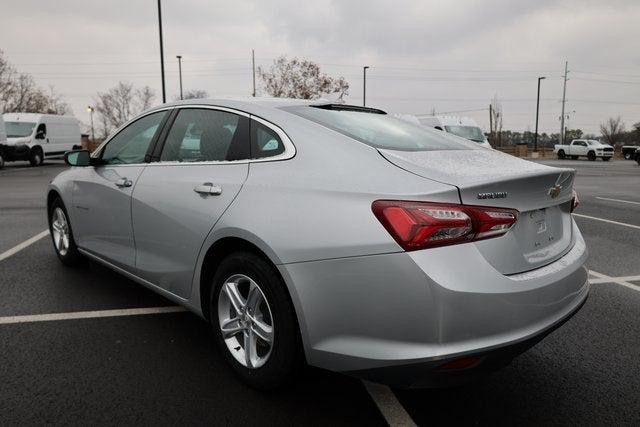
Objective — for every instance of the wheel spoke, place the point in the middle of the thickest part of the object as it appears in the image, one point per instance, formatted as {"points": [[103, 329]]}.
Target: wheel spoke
{"points": [[231, 289], [230, 327], [262, 330], [249, 347], [254, 298]]}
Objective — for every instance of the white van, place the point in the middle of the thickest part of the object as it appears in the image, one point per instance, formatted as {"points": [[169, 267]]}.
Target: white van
{"points": [[465, 127], [34, 137]]}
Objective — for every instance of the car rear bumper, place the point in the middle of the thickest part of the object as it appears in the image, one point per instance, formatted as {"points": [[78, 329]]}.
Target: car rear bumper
{"points": [[445, 373], [403, 314]]}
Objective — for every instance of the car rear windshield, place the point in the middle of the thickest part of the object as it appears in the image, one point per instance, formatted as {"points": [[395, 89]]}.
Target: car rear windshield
{"points": [[378, 129]]}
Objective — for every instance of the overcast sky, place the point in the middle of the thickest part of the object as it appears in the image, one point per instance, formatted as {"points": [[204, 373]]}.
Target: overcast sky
{"points": [[424, 55]]}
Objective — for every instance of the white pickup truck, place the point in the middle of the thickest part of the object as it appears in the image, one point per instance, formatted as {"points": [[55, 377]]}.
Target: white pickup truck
{"points": [[588, 148]]}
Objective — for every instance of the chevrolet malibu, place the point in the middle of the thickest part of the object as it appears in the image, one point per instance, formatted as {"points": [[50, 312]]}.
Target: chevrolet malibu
{"points": [[329, 234]]}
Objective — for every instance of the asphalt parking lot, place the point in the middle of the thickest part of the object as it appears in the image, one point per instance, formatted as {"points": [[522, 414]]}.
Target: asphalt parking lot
{"points": [[162, 368]]}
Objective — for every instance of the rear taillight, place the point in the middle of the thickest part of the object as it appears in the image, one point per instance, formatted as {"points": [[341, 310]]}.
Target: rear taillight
{"points": [[575, 202], [420, 225]]}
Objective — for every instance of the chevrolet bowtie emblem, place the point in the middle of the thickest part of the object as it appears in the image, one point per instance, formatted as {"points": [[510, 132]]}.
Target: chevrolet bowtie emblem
{"points": [[555, 191]]}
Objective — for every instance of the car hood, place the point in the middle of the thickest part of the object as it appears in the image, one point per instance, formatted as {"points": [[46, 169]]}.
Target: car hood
{"points": [[17, 141]]}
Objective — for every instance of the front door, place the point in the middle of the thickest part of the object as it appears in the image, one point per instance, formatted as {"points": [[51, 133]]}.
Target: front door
{"points": [[178, 200], [102, 194]]}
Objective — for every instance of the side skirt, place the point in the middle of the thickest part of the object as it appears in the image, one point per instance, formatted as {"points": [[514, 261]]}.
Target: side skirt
{"points": [[173, 297]]}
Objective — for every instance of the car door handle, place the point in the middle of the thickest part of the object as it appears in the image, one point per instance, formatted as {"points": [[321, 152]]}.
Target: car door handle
{"points": [[124, 182], [208, 189]]}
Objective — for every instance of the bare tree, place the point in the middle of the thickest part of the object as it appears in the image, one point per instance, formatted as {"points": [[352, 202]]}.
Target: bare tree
{"points": [[19, 93], [119, 104], [496, 118], [612, 129], [636, 127], [300, 79], [193, 94]]}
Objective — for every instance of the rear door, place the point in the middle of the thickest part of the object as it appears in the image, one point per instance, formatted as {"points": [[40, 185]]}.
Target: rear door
{"points": [[579, 148], [102, 194], [178, 198]]}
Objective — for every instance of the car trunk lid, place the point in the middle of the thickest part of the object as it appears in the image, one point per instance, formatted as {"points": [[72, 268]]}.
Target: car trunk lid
{"points": [[540, 193]]}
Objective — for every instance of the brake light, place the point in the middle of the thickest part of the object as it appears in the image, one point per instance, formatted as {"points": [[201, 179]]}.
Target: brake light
{"points": [[575, 202], [421, 225]]}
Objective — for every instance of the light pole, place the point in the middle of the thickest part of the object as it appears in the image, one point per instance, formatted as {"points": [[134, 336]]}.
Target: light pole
{"points": [[364, 85], [90, 109], [535, 136], [180, 72], [164, 93]]}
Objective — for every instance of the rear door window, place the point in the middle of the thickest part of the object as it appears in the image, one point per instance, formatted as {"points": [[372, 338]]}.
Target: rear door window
{"points": [[265, 142], [207, 135]]}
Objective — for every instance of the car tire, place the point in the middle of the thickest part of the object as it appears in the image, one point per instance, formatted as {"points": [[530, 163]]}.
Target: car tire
{"points": [[269, 365], [606, 159], [36, 157], [591, 156], [561, 155], [62, 235]]}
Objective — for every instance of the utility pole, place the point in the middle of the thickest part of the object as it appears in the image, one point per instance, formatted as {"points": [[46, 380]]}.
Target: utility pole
{"points": [[164, 93], [535, 136], [491, 123], [253, 66], [180, 73], [364, 85], [564, 93]]}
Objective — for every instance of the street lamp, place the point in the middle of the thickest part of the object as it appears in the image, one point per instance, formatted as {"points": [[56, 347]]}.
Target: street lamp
{"points": [[180, 72], [364, 85], [90, 109], [535, 136], [164, 94]]}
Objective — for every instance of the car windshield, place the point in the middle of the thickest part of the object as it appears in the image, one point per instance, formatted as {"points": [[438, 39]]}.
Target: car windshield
{"points": [[469, 132], [19, 129], [378, 130]]}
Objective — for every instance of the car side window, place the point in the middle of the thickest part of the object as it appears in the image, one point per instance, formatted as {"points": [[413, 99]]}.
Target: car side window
{"points": [[265, 142], [130, 145], [205, 135]]}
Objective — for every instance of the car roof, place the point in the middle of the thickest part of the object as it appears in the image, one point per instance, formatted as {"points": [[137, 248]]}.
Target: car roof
{"points": [[249, 103]]}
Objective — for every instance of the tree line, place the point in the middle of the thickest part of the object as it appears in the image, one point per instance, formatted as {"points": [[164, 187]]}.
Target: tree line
{"points": [[20, 93], [286, 78]]}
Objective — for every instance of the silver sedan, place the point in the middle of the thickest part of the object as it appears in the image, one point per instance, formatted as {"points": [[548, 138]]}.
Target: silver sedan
{"points": [[329, 234]]}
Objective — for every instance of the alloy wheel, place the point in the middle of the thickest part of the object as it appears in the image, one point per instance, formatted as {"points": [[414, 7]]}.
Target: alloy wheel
{"points": [[245, 321], [60, 231]]}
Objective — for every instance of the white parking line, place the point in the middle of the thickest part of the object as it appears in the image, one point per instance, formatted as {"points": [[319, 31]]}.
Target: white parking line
{"points": [[14, 250], [607, 220], [622, 281], [89, 314], [618, 200], [388, 404]]}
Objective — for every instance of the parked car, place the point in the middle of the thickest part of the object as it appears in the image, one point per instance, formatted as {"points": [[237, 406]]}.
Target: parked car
{"points": [[3, 141], [34, 137], [588, 148], [329, 234], [464, 127], [637, 155], [629, 151]]}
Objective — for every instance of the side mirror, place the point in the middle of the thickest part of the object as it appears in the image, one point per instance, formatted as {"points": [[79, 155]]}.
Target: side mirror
{"points": [[77, 158], [40, 135]]}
